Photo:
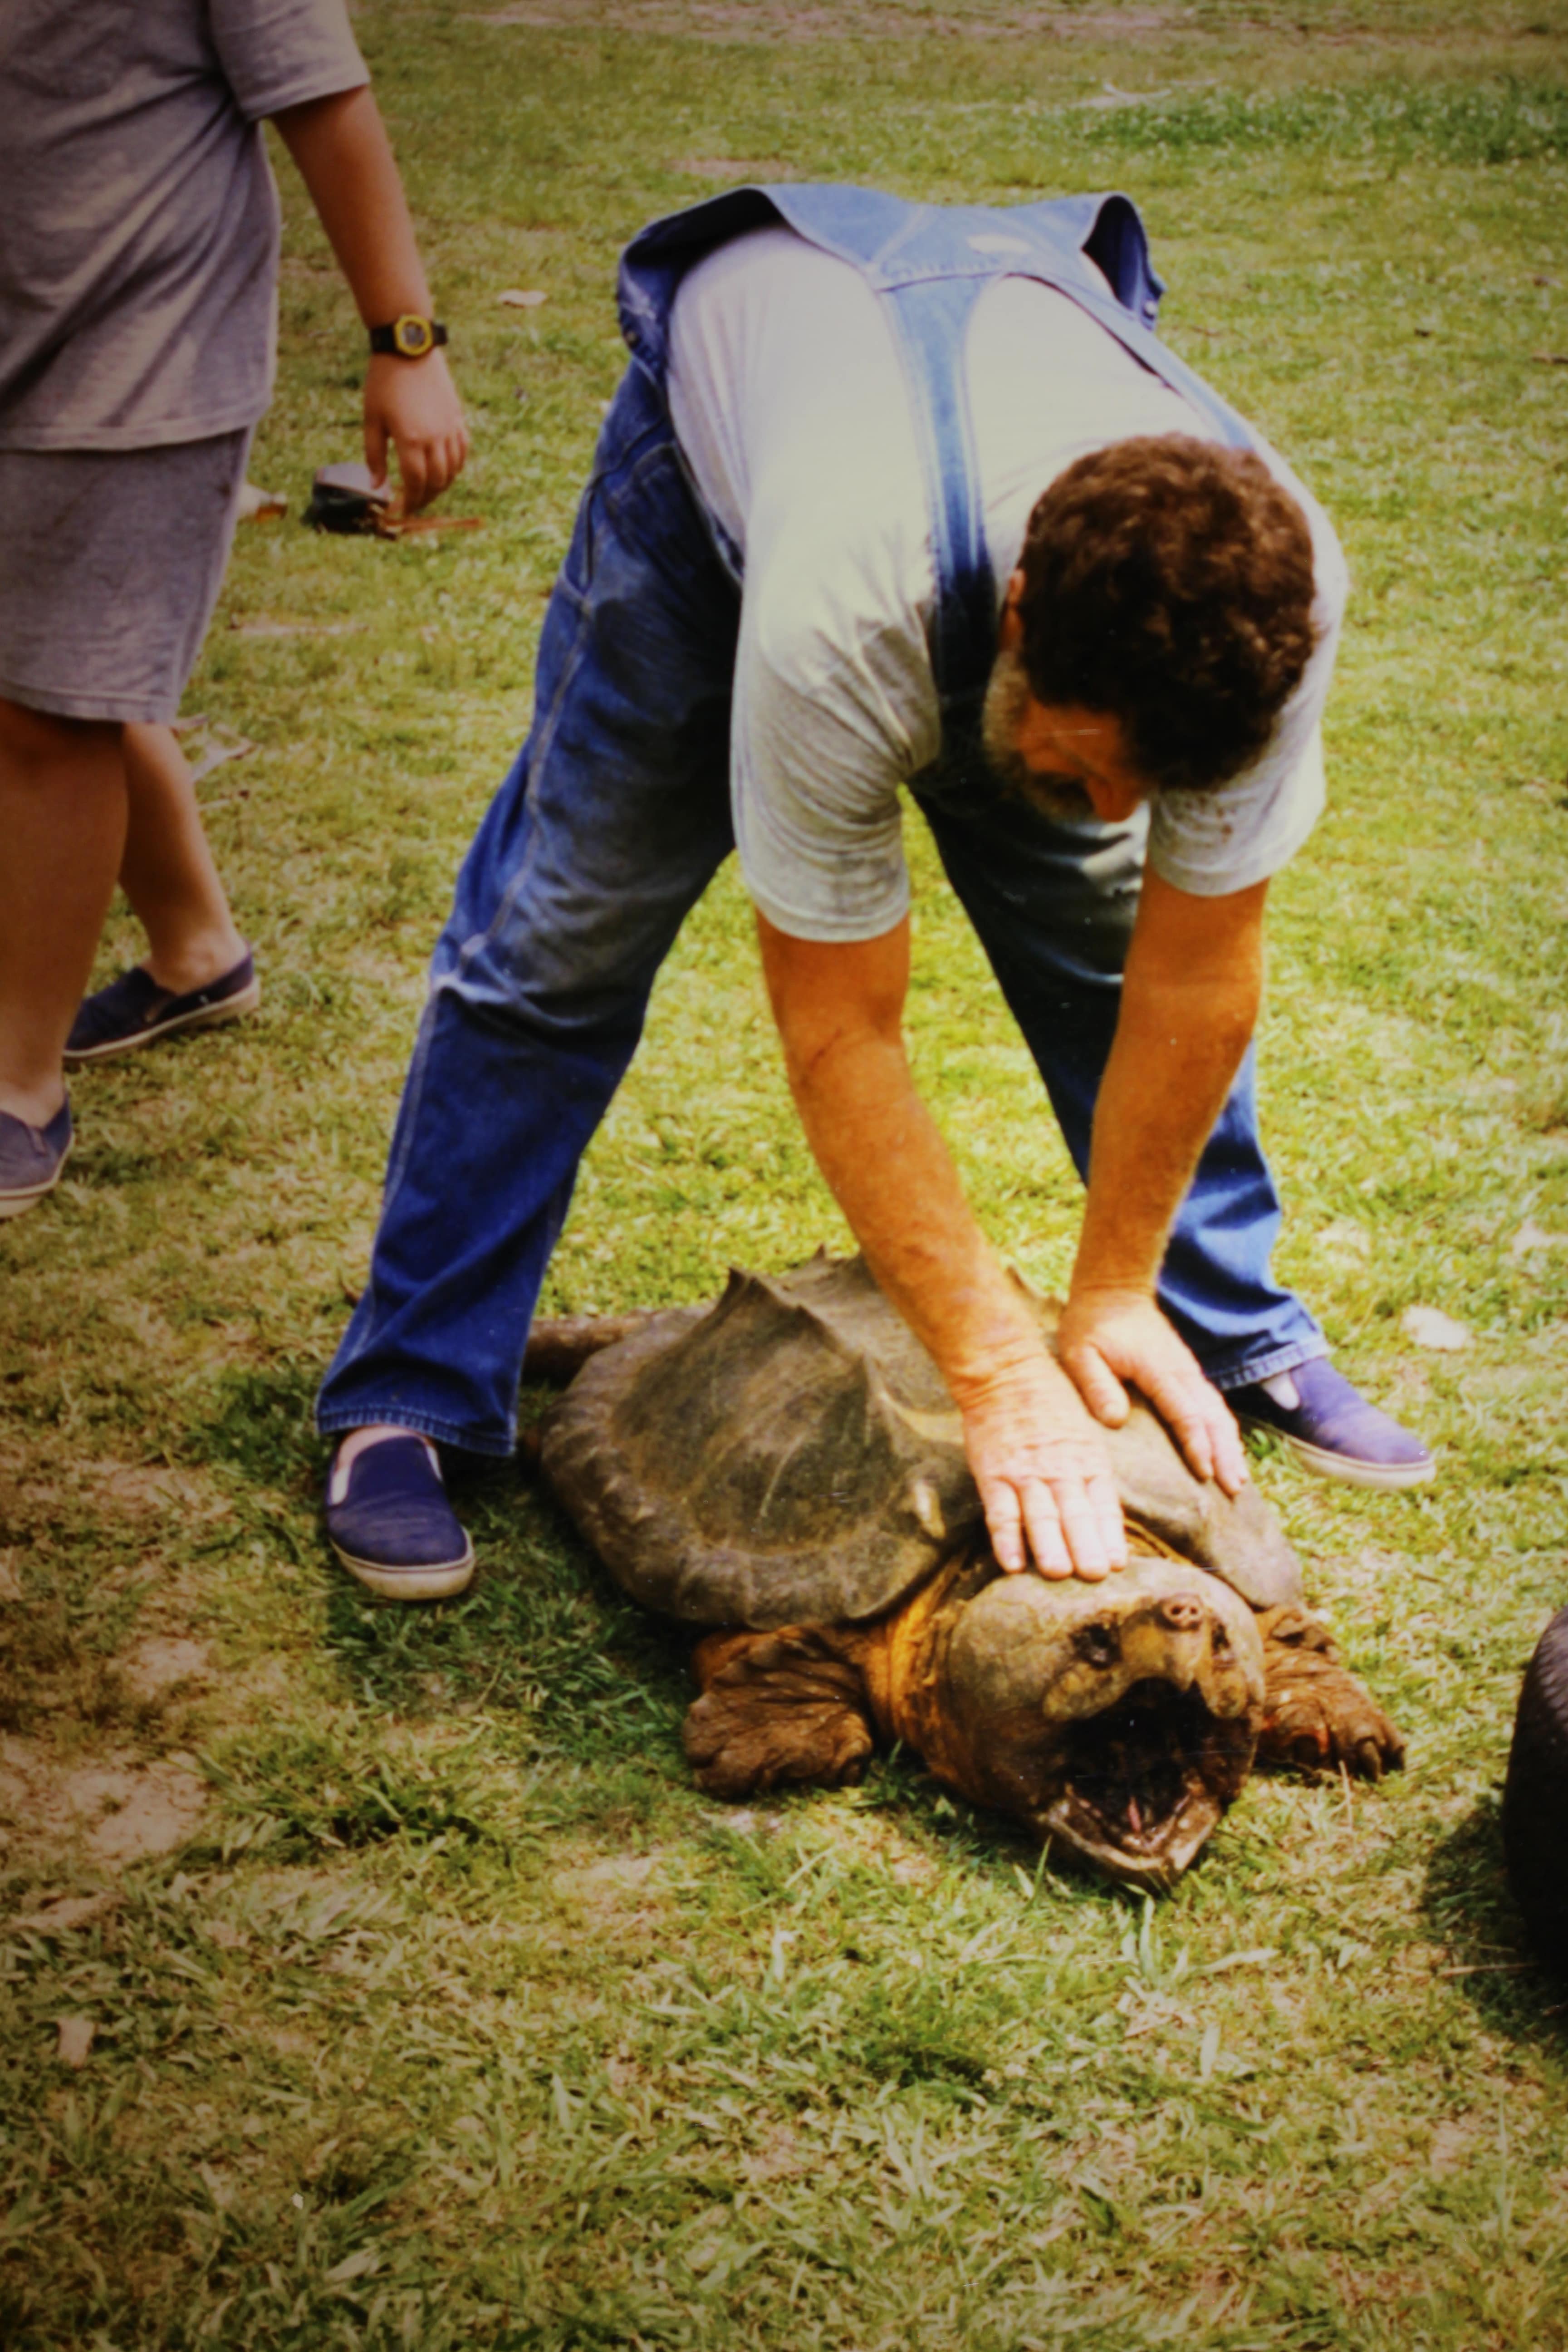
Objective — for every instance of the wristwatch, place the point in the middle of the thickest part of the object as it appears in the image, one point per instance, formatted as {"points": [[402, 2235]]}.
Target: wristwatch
{"points": [[409, 338]]}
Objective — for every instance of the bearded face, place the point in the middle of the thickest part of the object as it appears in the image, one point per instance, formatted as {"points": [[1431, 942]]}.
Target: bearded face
{"points": [[1007, 700]]}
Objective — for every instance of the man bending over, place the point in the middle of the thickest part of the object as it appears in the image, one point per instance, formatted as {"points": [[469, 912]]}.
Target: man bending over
{"points": [[893, 497]]}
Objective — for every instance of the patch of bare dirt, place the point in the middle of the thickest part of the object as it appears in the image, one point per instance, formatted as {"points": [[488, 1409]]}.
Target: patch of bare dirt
{"points": [[290, 2042], [65, 1914], [135, 1492], [617, 1901], [75, 2040], [109, 1813], [263, 625], [880, 20], [1453, 2145], [733, 170], [780, 2156], [162, 1664], [779, 22], [613, 1890], [744, 1823], [912, 1870]]}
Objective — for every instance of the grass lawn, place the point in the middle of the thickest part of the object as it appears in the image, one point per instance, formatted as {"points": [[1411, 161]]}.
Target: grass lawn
{"points": [[430, 2003]]}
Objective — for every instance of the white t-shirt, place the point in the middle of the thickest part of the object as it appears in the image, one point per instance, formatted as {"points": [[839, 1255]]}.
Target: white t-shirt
{"points": [[789, 404]]}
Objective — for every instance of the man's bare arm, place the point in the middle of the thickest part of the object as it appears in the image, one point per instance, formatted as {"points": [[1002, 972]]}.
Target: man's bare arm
{"points": [[1190, 1001], [1038, 1458]]}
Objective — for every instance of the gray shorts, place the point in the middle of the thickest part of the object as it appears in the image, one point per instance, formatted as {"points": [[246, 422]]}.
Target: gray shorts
{"points": [[111, 564]]}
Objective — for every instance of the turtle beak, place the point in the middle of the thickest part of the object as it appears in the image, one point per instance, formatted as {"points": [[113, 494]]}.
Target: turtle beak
{"points": [[1171, 1641]]}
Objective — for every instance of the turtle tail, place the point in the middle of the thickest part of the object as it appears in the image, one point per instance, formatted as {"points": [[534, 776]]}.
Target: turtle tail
{"points": [[560, 1345]]}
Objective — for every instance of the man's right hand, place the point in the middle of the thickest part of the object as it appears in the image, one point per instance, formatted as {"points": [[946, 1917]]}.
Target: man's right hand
{"points": [[1037, 1457], [1043, 1472]]}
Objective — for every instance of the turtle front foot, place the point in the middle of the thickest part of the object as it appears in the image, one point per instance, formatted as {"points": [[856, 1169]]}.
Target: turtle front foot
{"points": [[775, 1707], [1316, 1714]]}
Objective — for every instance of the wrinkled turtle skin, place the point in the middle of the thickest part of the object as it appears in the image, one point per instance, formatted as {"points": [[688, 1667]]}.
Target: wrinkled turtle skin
{"points": [[787, 1470]]}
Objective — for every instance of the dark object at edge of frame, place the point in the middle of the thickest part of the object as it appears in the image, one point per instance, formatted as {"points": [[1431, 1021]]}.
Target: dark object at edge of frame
{"points": [[1535, 1799]]}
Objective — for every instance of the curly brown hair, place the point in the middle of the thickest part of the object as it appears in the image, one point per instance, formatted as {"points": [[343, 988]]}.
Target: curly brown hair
{"points": [[1168, 581]]}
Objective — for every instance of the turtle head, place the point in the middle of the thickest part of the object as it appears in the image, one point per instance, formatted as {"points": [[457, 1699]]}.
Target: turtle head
{"points": [[1118, 1720]]}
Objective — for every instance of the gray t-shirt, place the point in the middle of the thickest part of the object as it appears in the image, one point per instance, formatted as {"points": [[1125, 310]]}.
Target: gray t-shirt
{"points": [[139, 221], [790, 407]]}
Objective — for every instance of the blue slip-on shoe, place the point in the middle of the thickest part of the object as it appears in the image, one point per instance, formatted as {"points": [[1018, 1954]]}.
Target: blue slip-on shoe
{"points": [[390, 1523], [31, 1159], [1330, 1428], [133, 1011]]}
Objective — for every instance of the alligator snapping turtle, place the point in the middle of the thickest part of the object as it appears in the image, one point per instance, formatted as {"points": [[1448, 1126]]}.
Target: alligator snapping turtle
{"points": [[787, 1469]]}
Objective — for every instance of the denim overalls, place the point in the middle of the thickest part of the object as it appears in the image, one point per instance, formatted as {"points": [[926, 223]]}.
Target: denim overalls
{"points": [[616, 815]]}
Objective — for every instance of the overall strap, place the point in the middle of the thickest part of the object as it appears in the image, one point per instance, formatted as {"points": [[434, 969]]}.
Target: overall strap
{"points": [[929, 264], [930, 322]]}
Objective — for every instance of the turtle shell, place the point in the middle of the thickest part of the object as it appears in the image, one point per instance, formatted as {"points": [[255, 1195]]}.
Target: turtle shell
{"points": [[793, 1456]]}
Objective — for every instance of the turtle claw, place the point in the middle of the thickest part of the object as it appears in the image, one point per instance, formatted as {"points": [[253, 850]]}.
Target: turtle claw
{"points": [[776, 1708], [1317, 1715]]}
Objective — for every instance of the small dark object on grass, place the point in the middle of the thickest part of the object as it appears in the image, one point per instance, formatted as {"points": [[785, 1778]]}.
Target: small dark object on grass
{"points": [[1535, 1799], [344, 498], [787, 1469]]}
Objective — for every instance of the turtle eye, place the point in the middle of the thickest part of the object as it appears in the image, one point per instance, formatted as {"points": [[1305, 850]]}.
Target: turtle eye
{"points": [[1097, 1643]]}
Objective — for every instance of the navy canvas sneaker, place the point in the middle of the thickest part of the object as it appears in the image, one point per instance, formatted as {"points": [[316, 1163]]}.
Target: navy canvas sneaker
{"points": [[133, 1011], [390, 1523], [31, 1159], [1330, 1428]]}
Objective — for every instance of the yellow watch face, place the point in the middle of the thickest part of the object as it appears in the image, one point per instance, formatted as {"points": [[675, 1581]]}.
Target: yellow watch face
{"points": [[414, 336]]}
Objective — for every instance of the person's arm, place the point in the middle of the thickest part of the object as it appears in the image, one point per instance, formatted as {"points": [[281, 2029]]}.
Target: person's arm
{"points": [[1189, 1004], [345, 159], [1038, 1458]]}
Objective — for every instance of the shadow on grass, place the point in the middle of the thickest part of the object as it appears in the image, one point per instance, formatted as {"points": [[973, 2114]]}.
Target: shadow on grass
{"points": [[263, 1426], [583, 1688], [1466, 1905], [542, 1632]]}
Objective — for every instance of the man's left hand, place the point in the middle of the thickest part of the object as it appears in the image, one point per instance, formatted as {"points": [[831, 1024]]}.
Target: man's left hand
{"points": [[1107, 1337]]}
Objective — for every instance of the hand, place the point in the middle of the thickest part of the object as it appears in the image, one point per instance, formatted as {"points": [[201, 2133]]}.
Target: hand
{"points": [[1043, 1472], [414, 403], [1111, 1336]]}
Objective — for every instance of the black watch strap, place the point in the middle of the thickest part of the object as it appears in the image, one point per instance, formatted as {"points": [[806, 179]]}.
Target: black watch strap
{"points": [[409, 337]]}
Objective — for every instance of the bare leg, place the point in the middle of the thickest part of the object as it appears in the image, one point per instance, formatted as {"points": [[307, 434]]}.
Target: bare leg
{"points": [[62, 827], [167, 870]]}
